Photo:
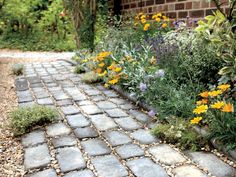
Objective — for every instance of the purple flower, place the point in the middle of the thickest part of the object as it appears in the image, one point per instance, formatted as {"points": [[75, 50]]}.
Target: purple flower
{"points": [[160, 73], [151, 113], [143, 87]]}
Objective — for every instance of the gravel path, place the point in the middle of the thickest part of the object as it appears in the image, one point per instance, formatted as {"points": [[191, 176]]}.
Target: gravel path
{"points": [[98, 133]]}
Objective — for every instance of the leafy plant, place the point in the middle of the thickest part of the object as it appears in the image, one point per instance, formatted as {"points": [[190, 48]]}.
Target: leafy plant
{"points": [[18, 69], [79, 69], [23, 119], [91, 77], [177, 131]]}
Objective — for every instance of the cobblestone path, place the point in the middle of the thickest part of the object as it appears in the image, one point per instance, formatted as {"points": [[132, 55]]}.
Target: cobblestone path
{"points": [[98, 133]]}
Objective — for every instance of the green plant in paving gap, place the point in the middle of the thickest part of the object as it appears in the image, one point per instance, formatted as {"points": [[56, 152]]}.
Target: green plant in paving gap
{"points": [[25, 118], [18, 69], [91, 77]]}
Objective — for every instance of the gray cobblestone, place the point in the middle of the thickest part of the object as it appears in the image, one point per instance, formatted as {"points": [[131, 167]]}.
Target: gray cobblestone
{"points": [[140, 116], [109, 166], [144, 136], [63, 141], [77, 120], [70, 110], [36, 157], [95, 147], [106, 105], [91, 109], [86, 132], [57, 129], [33, 138], [128, 123], [83, 173], [102, 122], [116, 113], [45, 173], [129, 150], [116, 138], [70, 158]]}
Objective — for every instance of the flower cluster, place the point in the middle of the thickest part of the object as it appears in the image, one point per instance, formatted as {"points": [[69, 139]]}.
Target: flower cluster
{"points": [[158, 22], [107, 68], [212, 101]]}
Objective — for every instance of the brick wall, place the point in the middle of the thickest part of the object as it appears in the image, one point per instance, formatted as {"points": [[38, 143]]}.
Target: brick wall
{"points": [[176, 9]]}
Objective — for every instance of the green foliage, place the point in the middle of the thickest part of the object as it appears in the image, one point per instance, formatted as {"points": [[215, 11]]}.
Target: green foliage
{"points": [[217, 32], [91, 78], [23, 119], [18, 69], [35, 25], [79, 69], [177, 131]]}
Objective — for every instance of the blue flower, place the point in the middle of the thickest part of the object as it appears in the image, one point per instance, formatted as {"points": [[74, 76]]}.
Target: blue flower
{"points": [[143, 87], [151, 113], [160, 73]]}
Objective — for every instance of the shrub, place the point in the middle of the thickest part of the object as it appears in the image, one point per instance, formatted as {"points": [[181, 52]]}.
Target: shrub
{"points": [[79, 69], [178, 131], [23, 119], [91, 77], [18, 69]]}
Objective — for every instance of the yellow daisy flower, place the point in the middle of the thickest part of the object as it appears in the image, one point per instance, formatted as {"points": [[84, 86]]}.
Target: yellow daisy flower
{"points": [[218, 105], [200, 109], [228, 108], [196, 120]]}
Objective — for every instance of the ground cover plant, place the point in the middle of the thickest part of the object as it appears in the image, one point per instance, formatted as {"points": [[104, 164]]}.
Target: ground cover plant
{"points": [[167, 66], [24, 119]]}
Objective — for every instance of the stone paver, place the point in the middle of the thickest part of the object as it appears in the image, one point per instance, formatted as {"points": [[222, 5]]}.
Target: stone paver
{"points": [[77, 121], [64, 141], [91, 109], [83, 173], [95, 147], [70, 158], [70, 110], [45, 173], [116, 113], [167, 155], [102, 122], [128, 123], [58, 129], [116, 138], [109, 166], [146, 168], [36, 157], [214, 165], [106, 105], [129, 150], [144, 118], [144, 136], [99, 125], [188, 171], [86, 132], [33, 138]]}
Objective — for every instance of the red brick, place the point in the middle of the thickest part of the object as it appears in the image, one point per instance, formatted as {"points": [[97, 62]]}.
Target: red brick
{"points": [[196, 4], [168, 1], [179, 6], [210, 11], [204, 4], [171, 14], [150, 2], [183, 14], [160, 1], [196, 13], [188, 5]]}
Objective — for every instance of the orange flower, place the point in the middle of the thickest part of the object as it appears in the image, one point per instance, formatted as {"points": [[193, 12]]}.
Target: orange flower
{"points": [[204, 94], [164, 25], [203, 101], [98, 70], [101, 64], [228, 108]]}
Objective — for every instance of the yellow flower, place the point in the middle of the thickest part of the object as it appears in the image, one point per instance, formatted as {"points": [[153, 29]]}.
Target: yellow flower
{"points": [[203, 101], [103, 74], [159, 14], [143, 21], [154, 17], [85, 61], [106, 85], [136, 24], [164, 25], [117, 69], [200, 109], [146, 27], [228, 108], [98, 70], [223, 87], [167, 20], [196, 120], [218, 105], [204, 94], [214, 93], [164, 17], [143, 17], [104, 54], [153, 60], [112, 67], [113, 81], [158, 19], [101, 64]]}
